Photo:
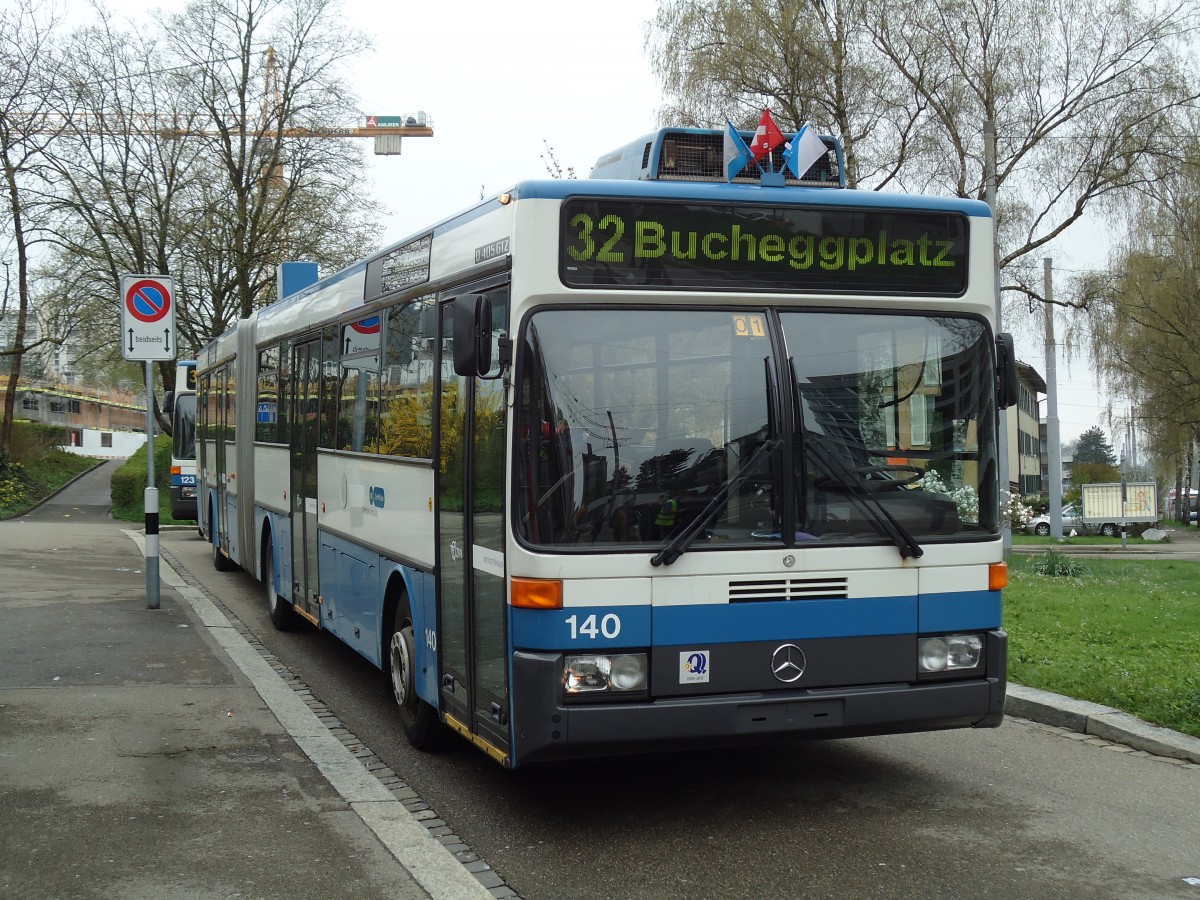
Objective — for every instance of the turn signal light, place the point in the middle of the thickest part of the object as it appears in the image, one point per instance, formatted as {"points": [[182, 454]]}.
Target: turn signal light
{"points": [[536, 593], [997, 576]]}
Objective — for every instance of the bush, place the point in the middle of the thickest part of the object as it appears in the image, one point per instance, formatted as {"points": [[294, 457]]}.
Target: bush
{"points": [[1053, 564], [129, 481], [129, 485], [36, 467]]}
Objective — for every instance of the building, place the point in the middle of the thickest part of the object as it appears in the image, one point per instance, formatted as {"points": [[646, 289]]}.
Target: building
{"points": [[1067, 459], [96, 418], [1024, 434]]}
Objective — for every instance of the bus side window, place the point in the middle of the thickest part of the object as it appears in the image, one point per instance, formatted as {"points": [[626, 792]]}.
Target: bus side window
{"points": [[266, 416], [358, 400], [406, 380], [330, 382]]}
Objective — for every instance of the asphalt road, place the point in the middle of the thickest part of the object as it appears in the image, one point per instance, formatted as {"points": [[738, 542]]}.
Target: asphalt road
{"points": [[1022, 811]]}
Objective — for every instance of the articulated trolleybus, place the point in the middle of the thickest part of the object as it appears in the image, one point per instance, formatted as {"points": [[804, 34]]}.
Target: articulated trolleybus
{"points": [[642, 461]]}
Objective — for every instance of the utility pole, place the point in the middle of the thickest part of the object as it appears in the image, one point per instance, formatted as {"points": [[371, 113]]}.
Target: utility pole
{"points": [[989, 175], [1124, 478], [1053, 447]]}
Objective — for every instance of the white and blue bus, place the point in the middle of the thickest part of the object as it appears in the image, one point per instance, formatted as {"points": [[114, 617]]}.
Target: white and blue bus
{"points": [[643, 461], [180, 405]]}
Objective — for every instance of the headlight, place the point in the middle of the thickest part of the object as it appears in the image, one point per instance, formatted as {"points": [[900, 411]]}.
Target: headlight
{"points": [[949, 653], [597, 674]]}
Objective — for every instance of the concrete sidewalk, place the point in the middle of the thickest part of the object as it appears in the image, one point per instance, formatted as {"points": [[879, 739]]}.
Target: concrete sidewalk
{"points": [[142, 752]]}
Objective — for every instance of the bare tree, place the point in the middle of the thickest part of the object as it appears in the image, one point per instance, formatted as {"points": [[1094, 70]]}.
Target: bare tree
{"points": [[121, 172], [266, 75], [806, 60], [1144, 323], [1081, 95], [205, 166], [25, 127]]}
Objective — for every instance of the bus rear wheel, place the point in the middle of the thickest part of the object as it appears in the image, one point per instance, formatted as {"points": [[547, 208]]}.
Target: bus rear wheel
{"points": [[418, 719], [221, 562], [283, 616]]}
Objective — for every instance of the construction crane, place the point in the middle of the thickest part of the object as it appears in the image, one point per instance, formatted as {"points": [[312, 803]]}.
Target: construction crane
{"points": [[386, 130]]}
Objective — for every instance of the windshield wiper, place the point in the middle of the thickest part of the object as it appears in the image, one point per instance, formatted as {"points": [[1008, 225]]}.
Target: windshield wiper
{"points": [[867, 502], [678, 545], [857, 492]]}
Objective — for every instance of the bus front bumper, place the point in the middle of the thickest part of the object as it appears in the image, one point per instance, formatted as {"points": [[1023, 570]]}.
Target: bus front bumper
{"points": [[549, 729]]}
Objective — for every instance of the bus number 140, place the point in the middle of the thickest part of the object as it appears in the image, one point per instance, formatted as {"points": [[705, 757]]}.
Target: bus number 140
{"points": [[609, 626]]}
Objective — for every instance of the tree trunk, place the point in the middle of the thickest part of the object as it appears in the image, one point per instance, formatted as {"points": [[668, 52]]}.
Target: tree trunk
{"points": [[18, 348]]}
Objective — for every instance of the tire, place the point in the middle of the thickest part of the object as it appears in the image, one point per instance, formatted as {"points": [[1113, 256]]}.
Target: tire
{"points": [[283, 616], [418, 719], [221, 562], [1108, 529], [1042, 528]]}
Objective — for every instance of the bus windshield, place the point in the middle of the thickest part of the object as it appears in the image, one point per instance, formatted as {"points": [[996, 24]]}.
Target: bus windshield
{"points": [[755, 427], [183, 428]]}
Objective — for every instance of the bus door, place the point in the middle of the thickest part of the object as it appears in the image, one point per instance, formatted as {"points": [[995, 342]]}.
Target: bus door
{"points": [[305, 420], [219, 526], [472, 600]]}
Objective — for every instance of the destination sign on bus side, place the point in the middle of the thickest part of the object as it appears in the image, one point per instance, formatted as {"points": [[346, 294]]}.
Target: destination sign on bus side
{"points": [[631, 244], [398, 268]]}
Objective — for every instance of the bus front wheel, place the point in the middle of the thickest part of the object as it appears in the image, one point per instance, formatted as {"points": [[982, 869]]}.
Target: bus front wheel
{"points": [[418, 718]]}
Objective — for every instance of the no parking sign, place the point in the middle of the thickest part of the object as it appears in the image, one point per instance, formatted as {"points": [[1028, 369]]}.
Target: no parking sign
{"points": [[147, 317]]}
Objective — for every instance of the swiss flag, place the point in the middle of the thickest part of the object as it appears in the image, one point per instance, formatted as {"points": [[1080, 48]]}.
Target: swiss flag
{"points": [[766, 137]]}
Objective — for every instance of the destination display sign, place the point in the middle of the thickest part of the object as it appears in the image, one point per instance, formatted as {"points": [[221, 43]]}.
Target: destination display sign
{"points": [[676, 246], [399, 268]]}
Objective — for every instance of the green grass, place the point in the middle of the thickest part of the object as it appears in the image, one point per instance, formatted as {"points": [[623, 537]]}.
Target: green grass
{"points": [[1123, 633], [36, 467]]}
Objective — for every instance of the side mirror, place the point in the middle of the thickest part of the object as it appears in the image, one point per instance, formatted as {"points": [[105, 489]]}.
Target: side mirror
{"points": [[1007, 390], [168, 403], [472, 335]]}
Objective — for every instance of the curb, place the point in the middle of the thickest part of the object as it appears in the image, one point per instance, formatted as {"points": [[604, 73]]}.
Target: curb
{"points": [[437, 859], [1102, 722]]}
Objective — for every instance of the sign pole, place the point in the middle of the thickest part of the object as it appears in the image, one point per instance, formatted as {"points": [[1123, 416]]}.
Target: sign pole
{"points": [[148, 334], [151, 499]]}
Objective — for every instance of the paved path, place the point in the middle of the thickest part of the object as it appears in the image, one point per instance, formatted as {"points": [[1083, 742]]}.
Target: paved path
{"points": [[156, 754]]}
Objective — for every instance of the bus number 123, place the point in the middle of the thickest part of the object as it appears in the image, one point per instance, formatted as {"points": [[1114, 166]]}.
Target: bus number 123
{"points": [[609, 626]]}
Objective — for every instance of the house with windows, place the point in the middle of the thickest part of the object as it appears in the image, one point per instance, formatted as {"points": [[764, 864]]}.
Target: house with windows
{"points": [[1024, 434]]}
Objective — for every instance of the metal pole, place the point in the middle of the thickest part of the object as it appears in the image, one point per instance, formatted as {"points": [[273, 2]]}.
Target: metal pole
{"points": [[1053, 446], [989, 174], [1124, 456], [151, 499]]}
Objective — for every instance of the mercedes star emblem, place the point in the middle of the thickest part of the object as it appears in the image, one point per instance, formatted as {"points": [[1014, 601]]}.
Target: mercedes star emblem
{"points": [[787, 663]]}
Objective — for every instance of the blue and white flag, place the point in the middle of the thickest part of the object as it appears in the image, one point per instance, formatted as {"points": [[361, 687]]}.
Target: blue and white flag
{"points": [[804, 150], [737, 154]]}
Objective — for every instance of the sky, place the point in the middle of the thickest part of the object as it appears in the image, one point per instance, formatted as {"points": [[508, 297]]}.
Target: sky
{"points": [[503, 80]]}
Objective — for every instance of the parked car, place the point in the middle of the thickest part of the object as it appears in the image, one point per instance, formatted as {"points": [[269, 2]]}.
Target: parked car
{"points": [[1071, 518]]}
